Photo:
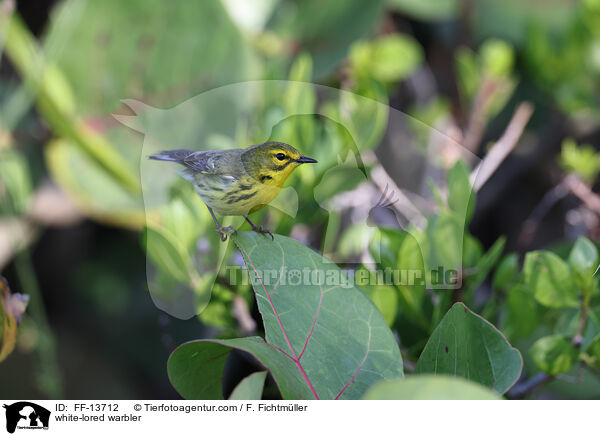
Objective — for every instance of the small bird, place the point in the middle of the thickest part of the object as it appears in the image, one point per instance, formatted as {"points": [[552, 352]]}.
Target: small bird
{"points": [[238, 181]]}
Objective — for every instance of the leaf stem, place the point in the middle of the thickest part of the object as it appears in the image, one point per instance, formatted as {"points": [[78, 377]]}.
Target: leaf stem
{"points": [[55, 102], [577, 340]]}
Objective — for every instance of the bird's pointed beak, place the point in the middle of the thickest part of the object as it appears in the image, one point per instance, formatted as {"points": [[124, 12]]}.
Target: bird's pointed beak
{"points": [[304, 159]]}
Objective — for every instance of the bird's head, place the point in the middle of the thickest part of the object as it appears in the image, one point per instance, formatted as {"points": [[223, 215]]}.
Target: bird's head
{"points": [[272, 162]]}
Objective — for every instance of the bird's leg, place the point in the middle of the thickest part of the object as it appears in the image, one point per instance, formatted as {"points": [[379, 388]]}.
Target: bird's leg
{"points": [[223, 231], [259, 229]]}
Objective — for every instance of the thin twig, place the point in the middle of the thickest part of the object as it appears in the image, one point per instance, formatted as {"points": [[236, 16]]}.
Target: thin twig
{"points": [[582, 191], [547, 202], [578, 338], [403, 205], [502, 148], [525, 388], [478, 115]]}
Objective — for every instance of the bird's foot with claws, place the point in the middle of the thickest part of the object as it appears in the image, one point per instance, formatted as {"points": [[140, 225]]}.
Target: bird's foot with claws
{"points": [[260, 229], [225, 231]]}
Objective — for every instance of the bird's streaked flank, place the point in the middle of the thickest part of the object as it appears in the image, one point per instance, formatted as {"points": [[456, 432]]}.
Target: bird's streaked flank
{"points": [[239, 181]]}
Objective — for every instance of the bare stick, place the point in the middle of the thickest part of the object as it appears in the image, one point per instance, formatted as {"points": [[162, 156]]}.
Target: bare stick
{"points": [[502, 148], [526, 387], [548, 201], [403, 205], [582, 191], [478, 116]]}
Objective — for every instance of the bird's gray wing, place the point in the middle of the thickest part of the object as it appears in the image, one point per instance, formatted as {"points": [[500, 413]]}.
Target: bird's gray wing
{"points": [[223, 163], [212, 162]]}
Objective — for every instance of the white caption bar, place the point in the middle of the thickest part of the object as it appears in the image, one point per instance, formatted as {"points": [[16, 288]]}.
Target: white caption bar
{"points": [[299, 417]]}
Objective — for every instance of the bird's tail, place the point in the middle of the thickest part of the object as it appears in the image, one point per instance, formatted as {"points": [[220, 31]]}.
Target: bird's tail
{"points": [[171, 155]]}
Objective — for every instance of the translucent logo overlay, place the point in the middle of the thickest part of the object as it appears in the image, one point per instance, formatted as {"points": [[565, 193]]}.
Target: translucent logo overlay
{"points": [[381, 177]]}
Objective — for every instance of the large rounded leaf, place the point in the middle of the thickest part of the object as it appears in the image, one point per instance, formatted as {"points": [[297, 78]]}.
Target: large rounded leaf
{"points": [[324, 337], [169, 50], [466, 345], [429, 387]]}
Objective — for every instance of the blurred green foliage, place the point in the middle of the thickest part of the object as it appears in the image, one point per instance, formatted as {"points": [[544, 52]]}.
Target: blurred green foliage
{"points": [[582, 160], [379, 54]]}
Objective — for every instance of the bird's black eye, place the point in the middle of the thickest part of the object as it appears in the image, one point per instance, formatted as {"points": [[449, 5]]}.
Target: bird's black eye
{"points": [[280, 156]]}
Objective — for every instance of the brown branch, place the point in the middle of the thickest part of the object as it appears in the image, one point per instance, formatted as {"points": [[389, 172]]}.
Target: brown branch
{"points": [[527, 387], [571, 184], [478, 116], [582, 191], [404, 206], [542, 209], [503, 147]]}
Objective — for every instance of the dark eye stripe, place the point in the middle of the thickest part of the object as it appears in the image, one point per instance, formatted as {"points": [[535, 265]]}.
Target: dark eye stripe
{"points": [[280, 167]]}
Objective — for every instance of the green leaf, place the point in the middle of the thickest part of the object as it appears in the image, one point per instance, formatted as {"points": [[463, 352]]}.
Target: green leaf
{"points": [[466, 345], [584, 260], [300, 98], [218, 313], [461, 198], [506, 272], [323, 339], [467, 68], [491, 69], [430, 387], [412, 290], [584, 256], [497, 57], [328, 32], [386, 249], [165, 251], [184, 374], [138, 63], [93, 188], [582, 160], [512, 19], [485, 264], [550, 279], [443, 244], [56, 104], [472, 251], [388, 59], [593, 350], [569, 321], [385, 297], [553, 354], [365, 118], [521, 312], [15, 182], [179, 220], [250, 388]]}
